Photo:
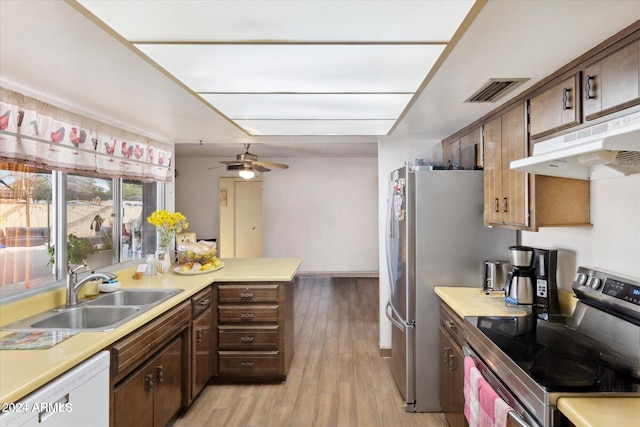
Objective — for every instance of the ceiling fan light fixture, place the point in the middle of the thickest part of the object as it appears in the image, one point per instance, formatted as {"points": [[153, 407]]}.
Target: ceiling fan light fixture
{"points": [[247, 173]]}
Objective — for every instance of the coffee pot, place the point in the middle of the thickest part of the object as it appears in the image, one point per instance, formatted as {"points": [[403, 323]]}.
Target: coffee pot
{"points": [[532, 280], [519, 287]]}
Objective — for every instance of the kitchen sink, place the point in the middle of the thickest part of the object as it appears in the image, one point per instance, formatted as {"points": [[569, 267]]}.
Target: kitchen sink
{"points": [[87, 317], [104, 313], [134, 297]]}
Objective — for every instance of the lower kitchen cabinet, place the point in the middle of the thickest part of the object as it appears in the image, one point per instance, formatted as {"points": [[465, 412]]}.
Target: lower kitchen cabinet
{"points": [[201, 341], [254, 325], [150, 371], [451, 367], [152, 395]]}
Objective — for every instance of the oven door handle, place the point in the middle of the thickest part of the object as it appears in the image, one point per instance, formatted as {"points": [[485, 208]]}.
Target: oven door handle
{"points": [[516, 419]]}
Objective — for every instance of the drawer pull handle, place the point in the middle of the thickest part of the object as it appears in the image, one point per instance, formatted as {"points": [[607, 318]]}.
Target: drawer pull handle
{"points": [[246, 339], [199, 335], [447, 354], [450, 324], [205, 302], [148, 382], [246, 315], [247, 364], [246, 294]]}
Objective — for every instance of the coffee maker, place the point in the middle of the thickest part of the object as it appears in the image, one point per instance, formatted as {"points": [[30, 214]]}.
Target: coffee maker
{"points": [[545, 266], [532, 280], [519, 286]]}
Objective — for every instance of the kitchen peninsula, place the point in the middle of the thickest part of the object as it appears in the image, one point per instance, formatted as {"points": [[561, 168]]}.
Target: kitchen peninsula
{"points": [[24, 371]]}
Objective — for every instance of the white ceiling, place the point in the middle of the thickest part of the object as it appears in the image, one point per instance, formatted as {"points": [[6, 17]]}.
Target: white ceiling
{"points": [[58, 52]]}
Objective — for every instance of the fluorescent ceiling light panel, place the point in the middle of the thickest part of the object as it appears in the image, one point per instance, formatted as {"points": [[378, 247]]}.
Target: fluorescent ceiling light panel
{"points": [[316, 127], [325, 21], [309, 106], [296, 68]]}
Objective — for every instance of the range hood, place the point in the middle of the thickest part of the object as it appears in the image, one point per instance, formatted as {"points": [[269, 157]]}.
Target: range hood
{"points": [[615, 143]]}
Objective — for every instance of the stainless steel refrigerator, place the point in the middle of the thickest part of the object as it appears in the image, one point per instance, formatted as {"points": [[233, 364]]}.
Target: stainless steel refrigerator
{"points": [[435, 237]]}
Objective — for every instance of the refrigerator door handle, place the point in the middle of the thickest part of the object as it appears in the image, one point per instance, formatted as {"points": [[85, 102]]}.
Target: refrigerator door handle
{"points": [[390, 312]]}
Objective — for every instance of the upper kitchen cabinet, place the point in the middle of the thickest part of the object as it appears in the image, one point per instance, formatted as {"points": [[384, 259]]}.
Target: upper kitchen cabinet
{"points": [[505, 191], [557, 108], [464, 152], [612, 83], [520, 200]]}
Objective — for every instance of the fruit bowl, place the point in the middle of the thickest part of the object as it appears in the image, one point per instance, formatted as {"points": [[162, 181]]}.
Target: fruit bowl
{"points": [[196, 252]]}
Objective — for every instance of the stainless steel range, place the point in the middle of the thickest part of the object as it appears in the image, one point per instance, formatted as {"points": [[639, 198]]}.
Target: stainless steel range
{"points": [[596, 352]]}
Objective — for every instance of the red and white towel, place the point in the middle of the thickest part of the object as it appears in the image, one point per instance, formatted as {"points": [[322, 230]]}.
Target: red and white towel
{"points": [[483, 407]]}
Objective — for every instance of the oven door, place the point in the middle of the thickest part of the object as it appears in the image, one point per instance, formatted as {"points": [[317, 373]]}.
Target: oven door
{"points": [[519, 417]]}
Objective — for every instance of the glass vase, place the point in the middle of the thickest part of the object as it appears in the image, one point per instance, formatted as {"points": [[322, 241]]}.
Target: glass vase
{"points": [[163, 260]]}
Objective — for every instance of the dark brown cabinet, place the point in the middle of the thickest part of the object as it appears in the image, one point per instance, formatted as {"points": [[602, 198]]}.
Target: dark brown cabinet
{"points": [[555, 109], [254, 326], [202, 351], [451, 366], [612, 83], [505, 190], [149, 371], [520, 200], [152, 395], [464, 152]]}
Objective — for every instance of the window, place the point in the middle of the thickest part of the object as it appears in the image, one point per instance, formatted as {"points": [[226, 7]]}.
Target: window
{"points": [[25, 228], [28, 224], [89, 214]]}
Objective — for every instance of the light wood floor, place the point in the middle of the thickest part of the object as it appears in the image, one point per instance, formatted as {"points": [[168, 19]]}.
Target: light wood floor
{"points": [[337, 377]]}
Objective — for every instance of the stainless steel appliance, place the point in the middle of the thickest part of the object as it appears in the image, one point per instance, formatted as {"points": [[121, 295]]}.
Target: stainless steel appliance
{"points": [[595, 352], [495, 275], [519, 287], [435, 237]]}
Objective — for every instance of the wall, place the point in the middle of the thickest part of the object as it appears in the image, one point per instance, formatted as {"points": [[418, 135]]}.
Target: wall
{"points": [[613, 243], [322, 210], [392, 154]]}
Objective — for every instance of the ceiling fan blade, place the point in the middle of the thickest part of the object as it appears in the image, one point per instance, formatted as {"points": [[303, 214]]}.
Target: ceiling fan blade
{"points": [[259, 167], [272, 165], [235, 167], [234, 162]]}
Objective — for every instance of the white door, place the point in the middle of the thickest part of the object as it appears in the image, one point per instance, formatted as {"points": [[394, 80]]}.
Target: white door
{"points": [[248, 219]]}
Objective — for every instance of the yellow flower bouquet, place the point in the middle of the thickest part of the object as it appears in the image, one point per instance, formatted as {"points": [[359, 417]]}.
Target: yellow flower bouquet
{"points": [[168, 224]]}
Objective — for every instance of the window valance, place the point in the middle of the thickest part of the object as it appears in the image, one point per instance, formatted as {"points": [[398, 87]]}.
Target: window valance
{"points": [[42, 135]]}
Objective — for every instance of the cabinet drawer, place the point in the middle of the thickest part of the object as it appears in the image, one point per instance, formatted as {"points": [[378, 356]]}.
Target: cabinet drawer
{"points": [[247, 313], [254, 338], [248, 293], [452, 323], [249, 363], [201, 302]]}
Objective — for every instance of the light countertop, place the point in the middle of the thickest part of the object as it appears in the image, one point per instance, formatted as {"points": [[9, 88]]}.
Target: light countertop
{"points": [[23, 371], [474, 302], [581, 411], [596, 412]]}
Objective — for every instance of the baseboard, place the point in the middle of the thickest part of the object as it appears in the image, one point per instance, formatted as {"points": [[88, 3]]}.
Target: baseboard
{"points": [[337, 274], [385, 352]]}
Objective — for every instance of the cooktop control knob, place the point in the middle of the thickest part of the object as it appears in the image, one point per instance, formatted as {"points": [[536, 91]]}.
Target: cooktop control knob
{"points": [[581, 279], [595, 283]]}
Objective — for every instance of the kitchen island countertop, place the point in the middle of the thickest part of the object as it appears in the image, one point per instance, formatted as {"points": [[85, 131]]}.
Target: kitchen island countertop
{"points": [[24, 371]]}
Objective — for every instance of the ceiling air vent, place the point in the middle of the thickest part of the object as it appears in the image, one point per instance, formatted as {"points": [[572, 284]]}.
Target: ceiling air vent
{"points": [[495, 89]]}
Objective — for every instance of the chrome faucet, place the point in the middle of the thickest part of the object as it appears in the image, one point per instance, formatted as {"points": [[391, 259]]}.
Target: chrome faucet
{"points": [[73, 286]]}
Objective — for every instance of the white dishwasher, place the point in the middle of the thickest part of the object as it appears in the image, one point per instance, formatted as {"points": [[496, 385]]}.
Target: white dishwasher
{"points": [[79, 397]]}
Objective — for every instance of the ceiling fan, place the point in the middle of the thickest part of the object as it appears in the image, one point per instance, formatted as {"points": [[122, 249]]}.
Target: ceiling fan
{"points": [[248, 163]]}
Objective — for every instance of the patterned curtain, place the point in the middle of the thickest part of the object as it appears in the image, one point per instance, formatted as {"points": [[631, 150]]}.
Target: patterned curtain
{"points": [[42, 135]]}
